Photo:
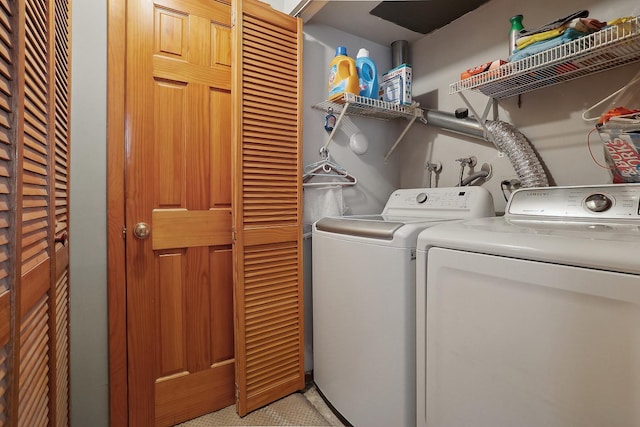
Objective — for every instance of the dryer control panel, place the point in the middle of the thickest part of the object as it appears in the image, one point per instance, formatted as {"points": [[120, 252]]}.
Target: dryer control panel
{"points": [[605, 202]]}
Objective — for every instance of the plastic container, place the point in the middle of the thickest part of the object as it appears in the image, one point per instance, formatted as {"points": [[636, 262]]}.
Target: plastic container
{"points": [[343, 75], [619, 129], [367, 75]]}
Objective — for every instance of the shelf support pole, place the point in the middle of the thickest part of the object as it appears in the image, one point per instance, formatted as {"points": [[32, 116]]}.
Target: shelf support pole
{"points": [[325, 147], [490, 103], [416, 113]]}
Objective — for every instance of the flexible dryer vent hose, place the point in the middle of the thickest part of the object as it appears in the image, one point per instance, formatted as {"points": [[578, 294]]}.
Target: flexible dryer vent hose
{"points": [[515, 145], [504, 136]]}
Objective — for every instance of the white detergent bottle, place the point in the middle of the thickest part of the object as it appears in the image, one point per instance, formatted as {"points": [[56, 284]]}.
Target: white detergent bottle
{"points": [[367, 74]]}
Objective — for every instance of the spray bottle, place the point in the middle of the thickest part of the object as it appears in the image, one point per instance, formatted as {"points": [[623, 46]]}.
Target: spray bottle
{"points": [[514, 33]]}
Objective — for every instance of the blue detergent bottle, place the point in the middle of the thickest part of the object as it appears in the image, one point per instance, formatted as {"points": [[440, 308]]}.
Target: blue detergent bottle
{"points": [[367, 74]]}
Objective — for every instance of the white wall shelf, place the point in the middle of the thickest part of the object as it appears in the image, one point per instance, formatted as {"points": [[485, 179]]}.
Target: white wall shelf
{"points": [[354, 105], [367, 107], [605, 49]]}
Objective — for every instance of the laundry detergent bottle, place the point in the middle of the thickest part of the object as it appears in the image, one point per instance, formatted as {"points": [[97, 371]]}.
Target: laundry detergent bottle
{"points": [[343, 75], [367, 75]]}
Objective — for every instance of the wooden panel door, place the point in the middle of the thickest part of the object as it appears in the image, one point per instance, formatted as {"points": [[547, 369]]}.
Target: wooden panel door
{"points": [[177, 185], [267, 204]]}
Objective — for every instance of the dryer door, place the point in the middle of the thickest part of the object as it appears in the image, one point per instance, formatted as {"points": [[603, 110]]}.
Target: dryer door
{"points": [[521, 343]]}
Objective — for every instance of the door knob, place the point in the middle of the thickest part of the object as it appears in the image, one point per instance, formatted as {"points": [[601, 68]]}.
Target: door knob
{"points": [[142, 230]]}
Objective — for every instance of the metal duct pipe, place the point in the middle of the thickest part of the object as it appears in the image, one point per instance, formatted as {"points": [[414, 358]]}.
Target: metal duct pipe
{"points": [[444, 120], [504, 136]]}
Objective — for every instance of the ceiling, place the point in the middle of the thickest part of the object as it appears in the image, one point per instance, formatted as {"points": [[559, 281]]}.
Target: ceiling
{"points": [[393, 20]]}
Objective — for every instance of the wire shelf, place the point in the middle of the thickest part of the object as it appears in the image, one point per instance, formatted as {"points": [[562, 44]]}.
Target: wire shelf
{"points": [[369, 107], [605, 49]]}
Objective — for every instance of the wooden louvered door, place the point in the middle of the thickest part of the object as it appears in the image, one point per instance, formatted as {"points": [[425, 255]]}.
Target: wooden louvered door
{"points": [[178, 182], [59, 202], [267, 204], [8, 201], [34, 282], [43, 197]]}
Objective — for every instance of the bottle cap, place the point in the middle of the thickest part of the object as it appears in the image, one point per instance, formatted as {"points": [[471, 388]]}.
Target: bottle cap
{"points": [[363, 53], [516, 22], [341, 50]]}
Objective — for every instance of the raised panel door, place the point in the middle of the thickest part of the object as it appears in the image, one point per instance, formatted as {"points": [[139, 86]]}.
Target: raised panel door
{"points": [[179, 281]]}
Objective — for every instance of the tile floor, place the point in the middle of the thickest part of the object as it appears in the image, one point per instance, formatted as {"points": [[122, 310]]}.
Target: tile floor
{"points": [[297, 409]]}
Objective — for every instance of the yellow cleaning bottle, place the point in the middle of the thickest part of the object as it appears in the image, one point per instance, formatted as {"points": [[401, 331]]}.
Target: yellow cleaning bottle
{"points": [[343, 75]]}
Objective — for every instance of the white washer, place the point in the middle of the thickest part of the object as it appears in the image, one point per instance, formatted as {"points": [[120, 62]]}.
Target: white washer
{"points": [[533, 319], [364, 306]]}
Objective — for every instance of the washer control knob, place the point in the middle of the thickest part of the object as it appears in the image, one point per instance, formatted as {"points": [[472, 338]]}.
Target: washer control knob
{"points": [[422, 197], [598, 202]]}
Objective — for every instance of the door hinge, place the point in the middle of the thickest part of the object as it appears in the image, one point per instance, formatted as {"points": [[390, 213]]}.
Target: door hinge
{"points": [[124, 232], [233, 236]]}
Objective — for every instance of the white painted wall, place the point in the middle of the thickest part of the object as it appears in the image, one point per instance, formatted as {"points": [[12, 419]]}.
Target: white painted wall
{"points": [[88, 232], [286, 6], [277, 4], [376, 179], [549, 117]]}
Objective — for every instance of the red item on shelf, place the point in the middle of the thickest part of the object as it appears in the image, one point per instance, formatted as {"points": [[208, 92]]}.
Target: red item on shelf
{"points": [[478, 69]]}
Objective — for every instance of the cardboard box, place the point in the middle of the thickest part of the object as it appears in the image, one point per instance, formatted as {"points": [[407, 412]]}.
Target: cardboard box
{"points": [[396, 85]]}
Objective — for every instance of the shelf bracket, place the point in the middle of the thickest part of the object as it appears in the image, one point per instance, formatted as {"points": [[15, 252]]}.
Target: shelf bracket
{"points": [[481, 120], [374, 108], [416, 113], [325, 147]]}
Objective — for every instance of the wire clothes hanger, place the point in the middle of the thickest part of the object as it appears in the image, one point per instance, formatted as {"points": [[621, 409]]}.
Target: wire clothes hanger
{"points": [[329, 169], [585, 116]]}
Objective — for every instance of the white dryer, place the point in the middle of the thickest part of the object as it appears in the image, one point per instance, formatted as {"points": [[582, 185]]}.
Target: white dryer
{"points": [[533, 319], [364, 306]]}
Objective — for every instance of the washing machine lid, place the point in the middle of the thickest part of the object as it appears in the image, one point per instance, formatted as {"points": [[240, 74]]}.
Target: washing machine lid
{"points": [[556, 225], [409, 210], [382, 227]]}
